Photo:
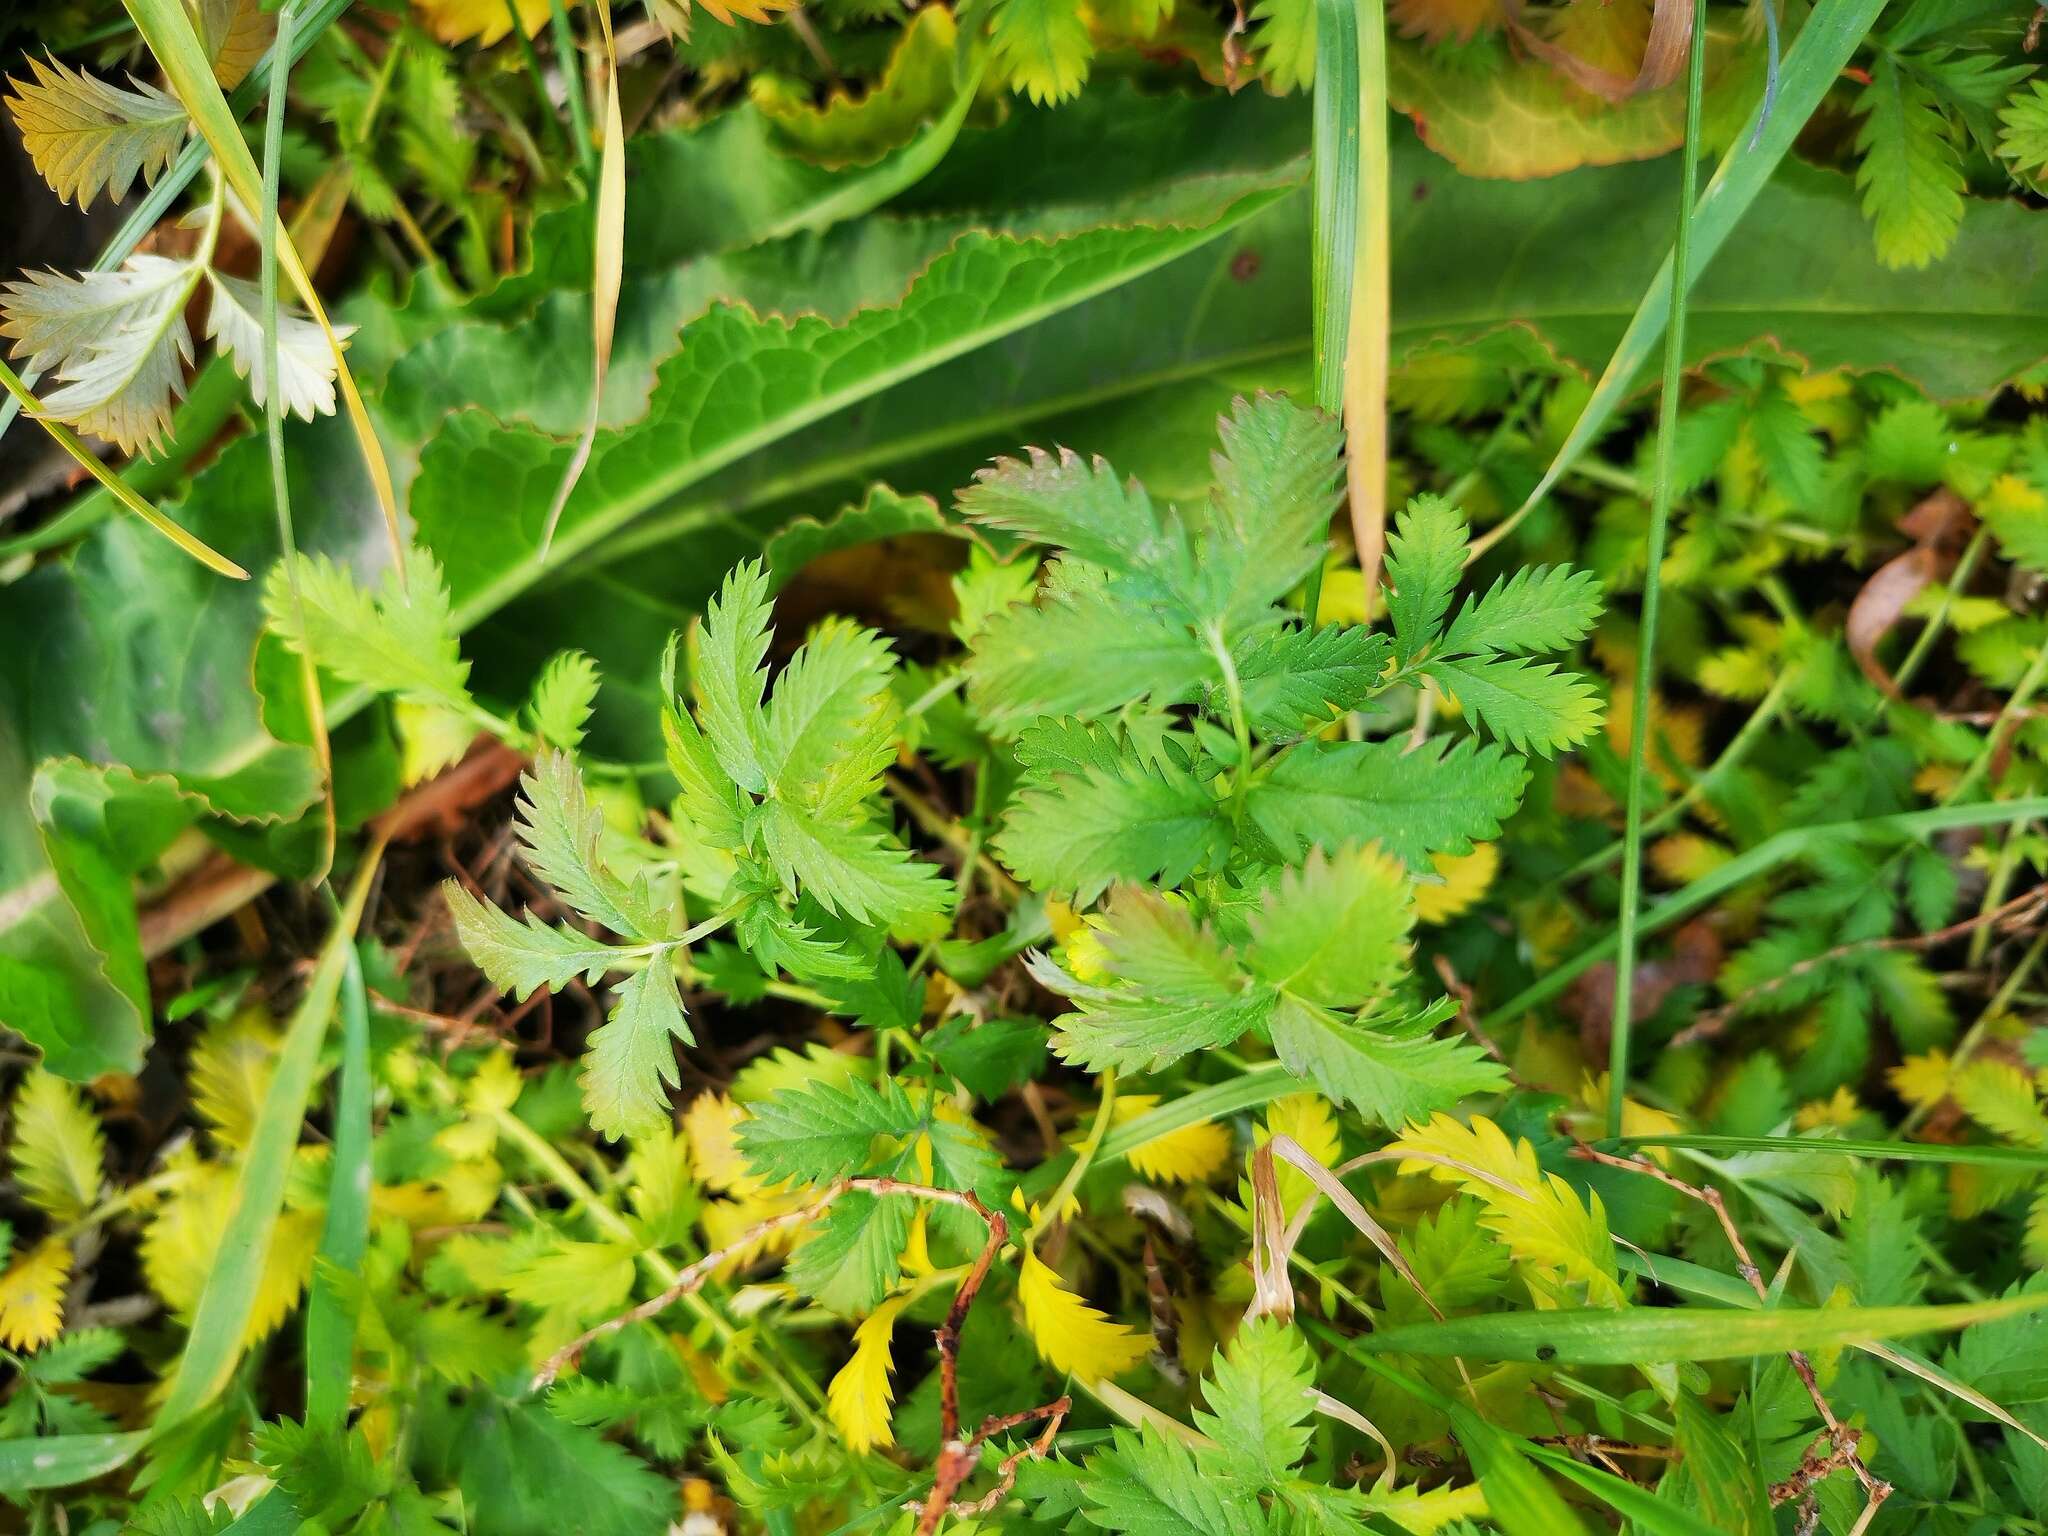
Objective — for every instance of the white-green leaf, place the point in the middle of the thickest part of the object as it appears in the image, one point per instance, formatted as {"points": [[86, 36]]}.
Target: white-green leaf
{"points": [[522, 957], [850, 867], [1539, 608], [1425, 558], [305, 362], [730, 679], [116, 342], [402, 640], [563, 698], [1335, 930]]}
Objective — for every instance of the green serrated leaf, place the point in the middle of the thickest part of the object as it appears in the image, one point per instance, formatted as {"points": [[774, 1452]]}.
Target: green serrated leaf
{"points": [[1435, 798]]}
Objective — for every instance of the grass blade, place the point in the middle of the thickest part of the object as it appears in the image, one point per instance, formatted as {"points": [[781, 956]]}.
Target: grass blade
{"points": [[1766, 856], [1518, 1498], [608, 268], [166, 27], [1843, 1146], [1334, 248], [1811, 66], [115, 486], [270, 234], [1600, 1336], [214, 1344], [1646, 629], [330, 1327]]}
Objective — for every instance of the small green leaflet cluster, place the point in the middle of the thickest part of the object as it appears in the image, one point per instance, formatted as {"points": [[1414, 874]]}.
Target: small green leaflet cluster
{"points": [[1244, 1479], [777, 828], [1172, 723]]}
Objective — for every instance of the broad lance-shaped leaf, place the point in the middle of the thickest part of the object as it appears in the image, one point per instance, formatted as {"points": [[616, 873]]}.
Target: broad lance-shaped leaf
{"points": [[1132, 820], [1532, 706], [1261, 1398]]}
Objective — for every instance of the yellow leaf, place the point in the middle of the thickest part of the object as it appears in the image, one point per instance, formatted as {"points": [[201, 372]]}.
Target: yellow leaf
{"points": [[32, 1296], [58, 1149], [2000, 1097], [1922, 1081], [858, 1398], [229, 1074], [1186, 1156], [712, 1125], [1466, 878], [1547, 1228], [1308, 1118], [1686, 856], [430, 737], [1840, 1112], [1343, 598], [1425, 1513], [183, 1240], [1072, 1337], [457, 21]]}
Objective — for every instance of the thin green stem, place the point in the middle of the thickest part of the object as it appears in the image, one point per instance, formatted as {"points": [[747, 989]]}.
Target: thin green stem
{"points": [[551, 125], [1646, 637], [1738, 748], [614, 1226], [2022, 694], [1923, 643], [1240, 727], [572, 86], [1086, 1157]]}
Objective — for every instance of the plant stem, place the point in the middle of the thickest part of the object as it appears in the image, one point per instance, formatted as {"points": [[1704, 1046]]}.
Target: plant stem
{"points": [[615, 1227], [1646, 637], [572, 87], [1923, 642], [1086, 1156]]}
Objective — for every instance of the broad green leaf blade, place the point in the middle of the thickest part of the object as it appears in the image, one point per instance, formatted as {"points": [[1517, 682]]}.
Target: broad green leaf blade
{"points": [[1260, 1399], [1425, 558], [214, 1343], [1597, 1336], [1533, 706]]}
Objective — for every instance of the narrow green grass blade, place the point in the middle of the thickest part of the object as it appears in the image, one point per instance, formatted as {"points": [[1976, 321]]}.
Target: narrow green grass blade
{"points": [[1366, 351], [1653, 585], [196, 422], [571, 62], [1519, 1499], [1761, 859], [16, 389], [215, 1343], [1650, 1511], [1336, 193], [1598, 1336], [270, 234], [157, 201], [1812, 65], [331, 1327], [1842, 1146]]}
